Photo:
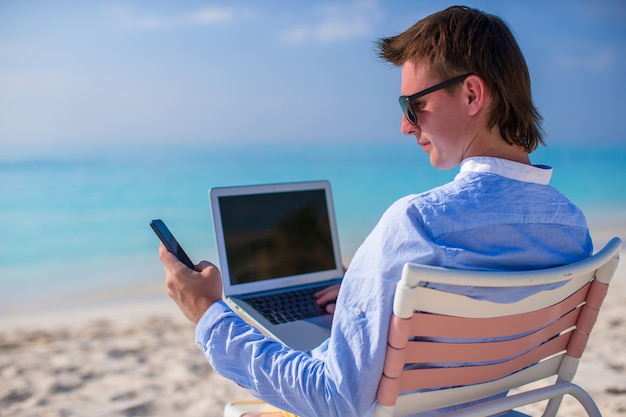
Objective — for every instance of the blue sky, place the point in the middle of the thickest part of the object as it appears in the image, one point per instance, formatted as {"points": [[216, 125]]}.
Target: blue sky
{"points": [[85, 73]]}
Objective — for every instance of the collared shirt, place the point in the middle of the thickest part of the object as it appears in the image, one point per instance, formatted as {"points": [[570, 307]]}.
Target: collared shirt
{"points": [[496, 214]]}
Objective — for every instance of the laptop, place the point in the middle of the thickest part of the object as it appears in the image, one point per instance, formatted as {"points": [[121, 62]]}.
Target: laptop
{"points": [[277, 244]]}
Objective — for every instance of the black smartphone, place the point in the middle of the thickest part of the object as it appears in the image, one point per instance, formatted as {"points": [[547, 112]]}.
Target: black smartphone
{"points": [[170, 242]]}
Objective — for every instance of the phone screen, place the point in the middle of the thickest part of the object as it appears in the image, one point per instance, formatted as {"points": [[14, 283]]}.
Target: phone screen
{"points": [[170, 242]]}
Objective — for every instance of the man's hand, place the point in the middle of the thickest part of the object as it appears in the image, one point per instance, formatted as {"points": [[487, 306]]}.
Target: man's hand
{"points": [[328, 297], [193, 291]]}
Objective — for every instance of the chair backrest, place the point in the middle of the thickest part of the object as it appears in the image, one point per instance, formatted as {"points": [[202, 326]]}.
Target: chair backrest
{"points": [[436, 354]]}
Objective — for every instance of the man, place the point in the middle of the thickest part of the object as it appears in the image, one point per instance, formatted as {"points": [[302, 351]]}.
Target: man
{"points": [[466, 99]]}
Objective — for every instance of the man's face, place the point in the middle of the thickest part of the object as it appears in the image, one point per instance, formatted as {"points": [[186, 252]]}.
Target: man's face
{"points": [[441, 129]]}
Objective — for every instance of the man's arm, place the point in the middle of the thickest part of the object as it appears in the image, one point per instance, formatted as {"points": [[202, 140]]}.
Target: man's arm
{"points": [[339, 377]]}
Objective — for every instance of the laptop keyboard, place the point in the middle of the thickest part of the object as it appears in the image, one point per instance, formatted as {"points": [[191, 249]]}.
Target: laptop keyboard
{"points": [[288, 306]]}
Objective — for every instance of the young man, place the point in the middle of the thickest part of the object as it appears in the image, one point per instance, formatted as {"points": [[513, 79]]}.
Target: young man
{"points": [[466, 99]]}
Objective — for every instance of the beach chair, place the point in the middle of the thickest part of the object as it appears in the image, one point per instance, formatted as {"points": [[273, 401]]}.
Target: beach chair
{"points": [[544, 336]]}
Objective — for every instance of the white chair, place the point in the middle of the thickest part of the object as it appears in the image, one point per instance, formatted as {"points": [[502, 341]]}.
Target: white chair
{"points": [[545, 333]]}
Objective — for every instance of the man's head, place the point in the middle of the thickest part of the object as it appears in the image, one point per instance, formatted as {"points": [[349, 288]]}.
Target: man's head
{"points": [[460, 40]]}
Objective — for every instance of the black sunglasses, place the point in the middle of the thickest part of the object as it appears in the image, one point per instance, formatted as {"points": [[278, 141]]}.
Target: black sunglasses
{"points": [[406, 102]]}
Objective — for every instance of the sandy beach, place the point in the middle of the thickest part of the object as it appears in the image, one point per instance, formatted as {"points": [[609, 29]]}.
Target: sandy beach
{"points": [[128, 357], [134, 355]]}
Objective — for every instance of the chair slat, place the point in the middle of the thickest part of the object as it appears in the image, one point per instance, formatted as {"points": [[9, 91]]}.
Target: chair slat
{"points": [[431, 378], [411, 403], [435, 325], [597, 293], [577, 344], [435, 351]]}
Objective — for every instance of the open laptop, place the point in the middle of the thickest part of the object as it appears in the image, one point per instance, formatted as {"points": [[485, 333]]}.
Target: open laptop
{"points": [[277, 244]]}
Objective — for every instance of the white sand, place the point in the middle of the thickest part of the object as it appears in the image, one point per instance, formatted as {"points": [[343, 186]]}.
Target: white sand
{"points": [[136, 356]]}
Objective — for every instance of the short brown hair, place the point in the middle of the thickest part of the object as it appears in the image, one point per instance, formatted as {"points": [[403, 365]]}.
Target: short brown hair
{"points": [[461, 40]]}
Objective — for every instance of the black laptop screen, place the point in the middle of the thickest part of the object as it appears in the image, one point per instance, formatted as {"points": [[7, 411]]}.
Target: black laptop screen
{"points": [[276, 235]]}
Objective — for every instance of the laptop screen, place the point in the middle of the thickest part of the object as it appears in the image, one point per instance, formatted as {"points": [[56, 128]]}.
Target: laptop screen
{"points": [[277, 234]]}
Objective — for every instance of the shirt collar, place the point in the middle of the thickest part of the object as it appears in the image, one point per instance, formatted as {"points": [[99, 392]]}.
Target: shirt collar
{"points": [[539, 174]]}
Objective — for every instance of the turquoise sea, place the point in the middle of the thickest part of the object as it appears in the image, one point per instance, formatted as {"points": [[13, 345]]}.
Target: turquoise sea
{"points": [[75, 223]]}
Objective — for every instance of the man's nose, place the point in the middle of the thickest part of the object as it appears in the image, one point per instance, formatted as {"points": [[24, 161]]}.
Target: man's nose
{"points": [[407, 128]]}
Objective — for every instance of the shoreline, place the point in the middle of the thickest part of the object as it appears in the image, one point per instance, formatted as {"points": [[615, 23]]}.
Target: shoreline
{"points": [[152, 296], [124, 305]]}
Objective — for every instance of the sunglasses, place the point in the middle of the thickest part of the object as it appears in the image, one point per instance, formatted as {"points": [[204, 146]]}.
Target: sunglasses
{"points": [[406, 102]]}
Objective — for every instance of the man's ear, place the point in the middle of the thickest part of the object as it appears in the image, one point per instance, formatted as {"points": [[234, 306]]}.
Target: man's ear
{"points": [[475, 94]]}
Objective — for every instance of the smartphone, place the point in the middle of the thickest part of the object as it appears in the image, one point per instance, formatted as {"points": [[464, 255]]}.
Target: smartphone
{"points": [[170, 242]]}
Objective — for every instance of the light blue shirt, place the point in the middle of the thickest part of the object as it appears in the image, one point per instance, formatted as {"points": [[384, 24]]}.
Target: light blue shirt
{"points": [[496, 214]]}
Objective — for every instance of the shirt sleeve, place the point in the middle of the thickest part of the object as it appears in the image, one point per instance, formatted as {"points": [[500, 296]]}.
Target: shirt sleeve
{"points": [[291, 380], [341, 376]]}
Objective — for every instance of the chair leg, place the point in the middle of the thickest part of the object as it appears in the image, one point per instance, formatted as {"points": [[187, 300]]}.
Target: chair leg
{"points": [[553, 406]]}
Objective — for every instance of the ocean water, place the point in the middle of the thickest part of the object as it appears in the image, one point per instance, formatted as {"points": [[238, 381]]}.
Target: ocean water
{"points": [[76, 223]]}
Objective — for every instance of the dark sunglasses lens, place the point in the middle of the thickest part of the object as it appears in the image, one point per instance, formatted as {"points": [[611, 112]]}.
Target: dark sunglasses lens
{"points": [[411, 114], [407, 109]]}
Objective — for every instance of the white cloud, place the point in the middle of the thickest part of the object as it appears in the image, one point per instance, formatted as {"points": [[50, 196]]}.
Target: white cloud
{"points": [[211, 15], [205, 16], [329, 31], [296, 34], [336, 22]]}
